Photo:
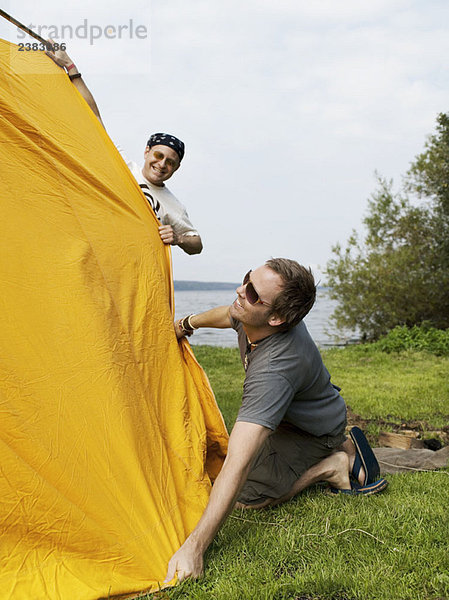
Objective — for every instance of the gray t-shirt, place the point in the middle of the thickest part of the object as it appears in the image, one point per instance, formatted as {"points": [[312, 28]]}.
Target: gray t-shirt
{"points": [[286, 380]]}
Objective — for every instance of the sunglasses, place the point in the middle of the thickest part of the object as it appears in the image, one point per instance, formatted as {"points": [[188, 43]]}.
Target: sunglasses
{"points": [[160, 156], [250, 292]]}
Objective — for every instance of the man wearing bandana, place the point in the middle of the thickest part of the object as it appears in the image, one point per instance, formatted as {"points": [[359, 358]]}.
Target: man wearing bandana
{"points": [[162, 157]]}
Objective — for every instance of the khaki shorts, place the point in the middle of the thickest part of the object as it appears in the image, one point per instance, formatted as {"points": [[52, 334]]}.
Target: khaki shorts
{"points": [[286, 454]]}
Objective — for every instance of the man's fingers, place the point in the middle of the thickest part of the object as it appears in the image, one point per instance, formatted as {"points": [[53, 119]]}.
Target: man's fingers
{"points": [[167, 234], [49, 46], [49, 52], [184, 564], [181, 575], [178, 331]]}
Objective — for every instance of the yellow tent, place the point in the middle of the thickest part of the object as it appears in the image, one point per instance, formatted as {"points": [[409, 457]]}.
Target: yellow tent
{"points": [[109, 431]]}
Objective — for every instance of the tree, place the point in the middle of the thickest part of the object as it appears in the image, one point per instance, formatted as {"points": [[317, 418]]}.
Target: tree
{"points": [[398, 273], [429, 178], [429, 174]]}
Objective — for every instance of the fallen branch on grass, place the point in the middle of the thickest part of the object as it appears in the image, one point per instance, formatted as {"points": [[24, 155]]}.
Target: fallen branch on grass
{"points": [[325, 534]]}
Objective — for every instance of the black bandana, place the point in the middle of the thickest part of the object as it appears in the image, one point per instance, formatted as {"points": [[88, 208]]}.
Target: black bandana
{"points": [[164, 139]]}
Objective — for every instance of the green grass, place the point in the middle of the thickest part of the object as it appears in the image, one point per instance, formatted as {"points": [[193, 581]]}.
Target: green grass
{"points": [[397, 387], [224, 369], [393, 546], [407, 386]]}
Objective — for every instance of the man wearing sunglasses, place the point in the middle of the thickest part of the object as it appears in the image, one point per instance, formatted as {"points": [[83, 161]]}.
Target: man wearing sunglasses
{"points": [[290, 430], [162, 157]]}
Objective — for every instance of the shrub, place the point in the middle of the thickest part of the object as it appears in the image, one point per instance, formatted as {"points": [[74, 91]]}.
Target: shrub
{"points": [[422, 338]]}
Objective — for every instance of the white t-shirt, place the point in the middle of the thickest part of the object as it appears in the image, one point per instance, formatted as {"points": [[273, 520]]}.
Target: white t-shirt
{"points": [[165, 205]]}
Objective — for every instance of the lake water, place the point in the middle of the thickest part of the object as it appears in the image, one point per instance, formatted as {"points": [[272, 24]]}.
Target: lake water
{"points": [[317, 321]]}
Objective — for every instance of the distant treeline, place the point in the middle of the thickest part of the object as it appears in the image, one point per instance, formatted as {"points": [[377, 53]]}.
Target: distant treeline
{"points": [[204, 285], [183, 286]]}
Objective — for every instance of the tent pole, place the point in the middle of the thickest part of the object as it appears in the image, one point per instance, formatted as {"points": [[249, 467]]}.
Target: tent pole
{"points": [[24, 28]]}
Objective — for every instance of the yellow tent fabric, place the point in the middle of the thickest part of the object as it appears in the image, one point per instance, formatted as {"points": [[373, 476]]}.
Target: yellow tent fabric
{"points": [[109, 431]]}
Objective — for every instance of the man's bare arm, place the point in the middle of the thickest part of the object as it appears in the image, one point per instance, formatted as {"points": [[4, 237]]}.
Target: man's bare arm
{"points": [[244, 442], [217, 317], [63, 60]]}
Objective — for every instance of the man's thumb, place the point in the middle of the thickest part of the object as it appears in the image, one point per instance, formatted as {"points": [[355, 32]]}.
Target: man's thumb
{"points": [[171, 571]]}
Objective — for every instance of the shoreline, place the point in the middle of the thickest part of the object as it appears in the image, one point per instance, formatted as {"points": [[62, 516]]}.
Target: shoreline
{"points": [[319, 346]]}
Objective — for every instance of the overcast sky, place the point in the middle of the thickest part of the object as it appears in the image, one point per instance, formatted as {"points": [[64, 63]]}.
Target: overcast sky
{"points": [[287, 108]]}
